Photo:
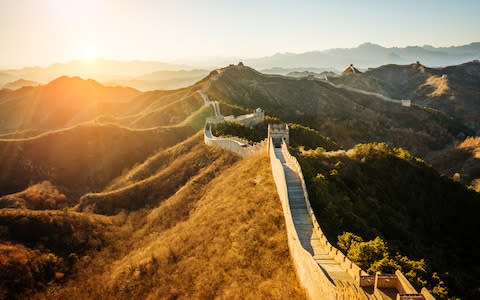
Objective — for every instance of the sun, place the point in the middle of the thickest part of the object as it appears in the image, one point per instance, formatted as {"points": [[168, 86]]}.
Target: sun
{"points": [[89, 53]]}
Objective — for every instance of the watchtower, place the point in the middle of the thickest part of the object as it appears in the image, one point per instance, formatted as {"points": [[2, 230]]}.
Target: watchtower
{"points": [[278, 133]]}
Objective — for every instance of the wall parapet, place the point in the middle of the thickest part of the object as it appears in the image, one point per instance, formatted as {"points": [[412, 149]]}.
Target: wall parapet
{"points": [[233, 144]]}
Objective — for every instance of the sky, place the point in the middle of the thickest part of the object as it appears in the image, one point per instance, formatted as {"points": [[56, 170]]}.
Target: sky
{"points": [[41, 32]]}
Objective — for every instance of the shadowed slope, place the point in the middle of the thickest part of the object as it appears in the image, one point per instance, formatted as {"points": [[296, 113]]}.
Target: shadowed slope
{"points": [[463, 160], [158, 178], [374, 190], [453, 90], [81, 159], [38, 247]]}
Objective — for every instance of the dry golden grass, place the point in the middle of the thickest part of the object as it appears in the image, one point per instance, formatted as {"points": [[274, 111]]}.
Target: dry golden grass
{"points": [[470, 142], [438, 84], [39, 196], [62, 232], [461, 162], [220, 236], [158, 178], [170, 114], [20, 268], [37, 247]]}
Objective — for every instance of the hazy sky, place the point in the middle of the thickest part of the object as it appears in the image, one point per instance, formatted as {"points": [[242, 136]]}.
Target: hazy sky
{"points": [[39, 32]]}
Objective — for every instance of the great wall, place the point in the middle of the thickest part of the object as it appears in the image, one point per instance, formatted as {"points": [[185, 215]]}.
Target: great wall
{"points": [[322, 270]]}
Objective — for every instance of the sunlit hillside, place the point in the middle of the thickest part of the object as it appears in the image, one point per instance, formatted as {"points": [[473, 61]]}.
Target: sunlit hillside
{"points": [[235, 225], [345, 116], [69, 101], [453, 90]]}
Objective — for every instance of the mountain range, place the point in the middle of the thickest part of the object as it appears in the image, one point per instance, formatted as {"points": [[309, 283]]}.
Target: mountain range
{"points": [[143, 75], [149, 75], [370, 55], [111, 192]]}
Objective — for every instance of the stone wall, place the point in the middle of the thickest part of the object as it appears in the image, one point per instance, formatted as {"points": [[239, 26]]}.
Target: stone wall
{"points": [[233, 144], [310, 275], [350, 267]]}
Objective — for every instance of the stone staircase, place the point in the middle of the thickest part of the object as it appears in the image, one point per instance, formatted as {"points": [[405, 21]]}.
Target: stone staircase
{"points": [[304, 227]]}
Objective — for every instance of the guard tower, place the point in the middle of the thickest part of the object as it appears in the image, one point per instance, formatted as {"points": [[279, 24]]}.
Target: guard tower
{"points": [[278, 133]]}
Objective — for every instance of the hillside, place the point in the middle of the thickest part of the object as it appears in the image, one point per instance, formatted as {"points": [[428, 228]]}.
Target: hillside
{"points": [[69, 101], [158, 177], [39, 247], [62, 102], [454, 90], [461, 162], [235, 225], [162, 80], [345, 116], [373, 190], [80, 159], [19, 84]]}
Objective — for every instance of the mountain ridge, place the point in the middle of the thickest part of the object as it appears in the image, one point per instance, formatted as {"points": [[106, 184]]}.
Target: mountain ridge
{"points": [[362, 56]]}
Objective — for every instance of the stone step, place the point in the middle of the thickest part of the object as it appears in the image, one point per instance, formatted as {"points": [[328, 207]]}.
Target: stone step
{"points": [[298, 205], [322, 256], [301, 218], [303, 223]]}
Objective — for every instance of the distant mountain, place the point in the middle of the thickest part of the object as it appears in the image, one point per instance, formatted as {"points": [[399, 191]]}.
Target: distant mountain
{"points": [[19, 84], [345, 116], [162, 80], [321, 75], [370, 55], [454, 90], [285, 71], [68, 101], [98, 69]]}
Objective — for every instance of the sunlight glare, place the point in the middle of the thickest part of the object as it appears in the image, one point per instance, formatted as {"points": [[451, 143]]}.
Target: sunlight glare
{"points": [[88, 53]]}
